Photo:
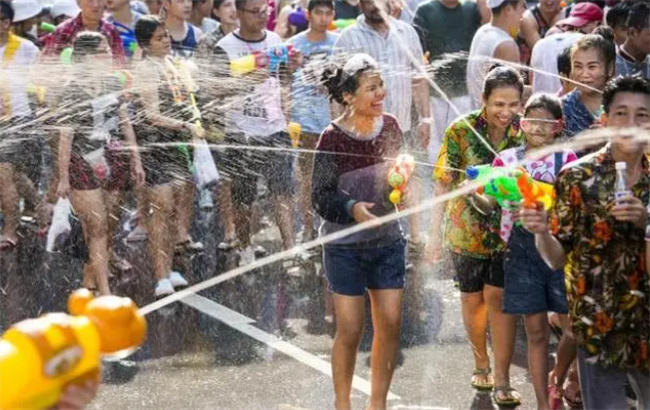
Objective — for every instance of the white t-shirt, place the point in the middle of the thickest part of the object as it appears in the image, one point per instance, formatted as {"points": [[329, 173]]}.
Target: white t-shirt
{"points": [[544, 58], [485, 42], [15, 78], [260, 112]]}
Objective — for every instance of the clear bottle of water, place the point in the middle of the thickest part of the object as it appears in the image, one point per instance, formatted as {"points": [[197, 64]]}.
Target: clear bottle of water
{"points": [[621, 189]]}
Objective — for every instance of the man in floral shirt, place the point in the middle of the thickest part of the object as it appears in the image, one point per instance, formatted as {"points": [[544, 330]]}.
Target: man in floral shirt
{"points": [[600, 243]]}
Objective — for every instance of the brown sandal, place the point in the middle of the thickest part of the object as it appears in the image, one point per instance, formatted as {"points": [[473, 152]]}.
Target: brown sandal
{"points": [[482, 374], [512, 397]]}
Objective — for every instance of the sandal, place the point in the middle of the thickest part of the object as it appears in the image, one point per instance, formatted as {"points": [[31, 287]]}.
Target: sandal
{"points": [[189, 246], [555, 395], [512, 397], [485, 375], [7, 244], [228, 245], [571, 389]]}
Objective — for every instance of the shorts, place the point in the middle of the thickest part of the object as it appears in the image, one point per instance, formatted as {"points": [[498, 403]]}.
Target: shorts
{"points": [[474, 273], [530, 285], [350, 271], [83, 177], [245, 166], [163, 165]]}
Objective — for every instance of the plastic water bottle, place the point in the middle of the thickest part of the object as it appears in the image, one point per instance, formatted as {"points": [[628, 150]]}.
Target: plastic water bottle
{"points": [[621, 189]]}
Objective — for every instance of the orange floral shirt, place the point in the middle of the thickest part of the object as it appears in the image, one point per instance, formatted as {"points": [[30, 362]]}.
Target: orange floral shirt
{"points": [[607, 283]]}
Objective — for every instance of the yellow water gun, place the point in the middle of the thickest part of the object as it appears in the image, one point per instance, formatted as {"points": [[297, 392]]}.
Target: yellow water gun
{"points": [[40, 357]]}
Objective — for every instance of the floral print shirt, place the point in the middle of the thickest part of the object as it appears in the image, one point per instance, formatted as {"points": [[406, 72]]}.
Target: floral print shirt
{"points": [[607, 282], [466, 230]]}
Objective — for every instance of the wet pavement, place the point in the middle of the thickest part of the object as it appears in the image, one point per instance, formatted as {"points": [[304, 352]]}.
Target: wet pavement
{"points": [[205, 352]]}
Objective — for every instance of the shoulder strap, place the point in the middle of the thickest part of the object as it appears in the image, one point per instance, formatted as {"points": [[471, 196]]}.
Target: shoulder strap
{"points": [[558, 162]]}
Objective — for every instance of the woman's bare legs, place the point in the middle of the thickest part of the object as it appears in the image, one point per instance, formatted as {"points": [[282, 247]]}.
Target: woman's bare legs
{"points": [[538, 333], [349, 314], [9, 203], [161, 231], [184, 193], [224, 198], [502, 329], [91, 209]]}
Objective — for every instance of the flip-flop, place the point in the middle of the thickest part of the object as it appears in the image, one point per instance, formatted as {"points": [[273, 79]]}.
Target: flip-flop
{"points": [[7, 244], [507, 391], [480, 373]]}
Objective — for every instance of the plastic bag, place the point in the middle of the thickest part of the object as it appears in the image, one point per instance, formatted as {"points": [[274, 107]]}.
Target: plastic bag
{"points": [[97, 161], [60, 225], [205, 170]]}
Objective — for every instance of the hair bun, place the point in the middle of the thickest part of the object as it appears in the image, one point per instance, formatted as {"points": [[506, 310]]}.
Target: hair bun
{"points": [[331, 79]]}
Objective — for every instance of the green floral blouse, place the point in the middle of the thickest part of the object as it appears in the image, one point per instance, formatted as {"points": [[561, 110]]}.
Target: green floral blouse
{"points": [[467, 231]]}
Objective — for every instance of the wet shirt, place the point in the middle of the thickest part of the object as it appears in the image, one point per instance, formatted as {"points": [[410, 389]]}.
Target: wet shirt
{"points": [[577, 117], [627, 66], [340, 181], [94, 118], [607, 282], [466, 230], [187, 46], [66, 32]]}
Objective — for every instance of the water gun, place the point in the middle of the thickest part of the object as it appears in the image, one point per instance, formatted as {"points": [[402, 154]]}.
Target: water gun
{"points": [[257, 60], [40, 357], [497, 182], [129, 43], [341, 24], [534, 191], [47, 27], [398, 177], [294, 133]]}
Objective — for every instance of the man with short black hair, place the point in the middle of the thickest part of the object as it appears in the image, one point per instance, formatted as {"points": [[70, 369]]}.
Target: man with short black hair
{"points": [[596, 233], [494, 40], [632, 55]]}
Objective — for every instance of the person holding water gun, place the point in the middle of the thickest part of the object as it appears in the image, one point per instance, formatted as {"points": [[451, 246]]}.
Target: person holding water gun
{"points": [[531, 288], [595, 231], [472, 238], [349, 190], [160, 89]]}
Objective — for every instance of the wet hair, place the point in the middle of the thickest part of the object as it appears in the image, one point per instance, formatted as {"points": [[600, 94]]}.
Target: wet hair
{"points": [[315, 3], [86, 43], [341, 80], [6, 10], [501, 76], [144, 29], [639, 16], [564, 61], [497, 10], [605, 48], [240, 4], [624, 84], [617, 15], [605, 32], [547, 102]]}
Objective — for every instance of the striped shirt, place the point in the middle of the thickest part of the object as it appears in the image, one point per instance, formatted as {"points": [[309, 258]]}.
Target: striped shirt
{"points": [[399, 55]]}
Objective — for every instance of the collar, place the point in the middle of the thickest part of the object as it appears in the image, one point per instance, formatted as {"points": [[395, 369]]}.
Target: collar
{"points": [[628, 57], [78, 21], [236, 34], [604, 158]]}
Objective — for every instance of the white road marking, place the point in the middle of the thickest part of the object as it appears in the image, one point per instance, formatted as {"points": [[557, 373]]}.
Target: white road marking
{"points": [[244, 324]]}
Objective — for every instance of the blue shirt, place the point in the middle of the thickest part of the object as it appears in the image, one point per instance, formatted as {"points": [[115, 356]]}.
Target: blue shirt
{"points": [[127, 33], [576, 115], [310, 108]]}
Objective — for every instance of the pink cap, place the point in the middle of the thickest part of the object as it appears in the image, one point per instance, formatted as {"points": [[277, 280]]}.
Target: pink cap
{"points": [[581, 14]]}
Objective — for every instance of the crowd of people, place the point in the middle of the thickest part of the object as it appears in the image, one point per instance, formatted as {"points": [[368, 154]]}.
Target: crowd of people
{"points": [[108, 102]]}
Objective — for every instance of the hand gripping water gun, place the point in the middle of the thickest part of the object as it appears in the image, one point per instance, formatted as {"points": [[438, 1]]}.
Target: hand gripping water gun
{"points": [[534, 191], [498, 182], [294, 133], [398, 177], [256, 60], [341, 24], [39, 357]]}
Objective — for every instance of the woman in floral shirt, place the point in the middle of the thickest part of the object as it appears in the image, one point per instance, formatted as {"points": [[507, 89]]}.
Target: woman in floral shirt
{"points": [[472, 238], [600, 243]]}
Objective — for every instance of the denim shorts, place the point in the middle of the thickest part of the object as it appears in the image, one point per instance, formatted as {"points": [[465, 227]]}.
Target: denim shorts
{"points": [[530, 285], [350, 271]]}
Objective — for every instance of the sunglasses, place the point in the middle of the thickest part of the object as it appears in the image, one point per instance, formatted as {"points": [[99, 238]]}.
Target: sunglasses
{"points": [[529, 124]]}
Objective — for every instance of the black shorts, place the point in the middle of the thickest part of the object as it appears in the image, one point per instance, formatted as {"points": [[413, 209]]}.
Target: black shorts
{"points": [[22, 148], [249, 161], [474, 273]]}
